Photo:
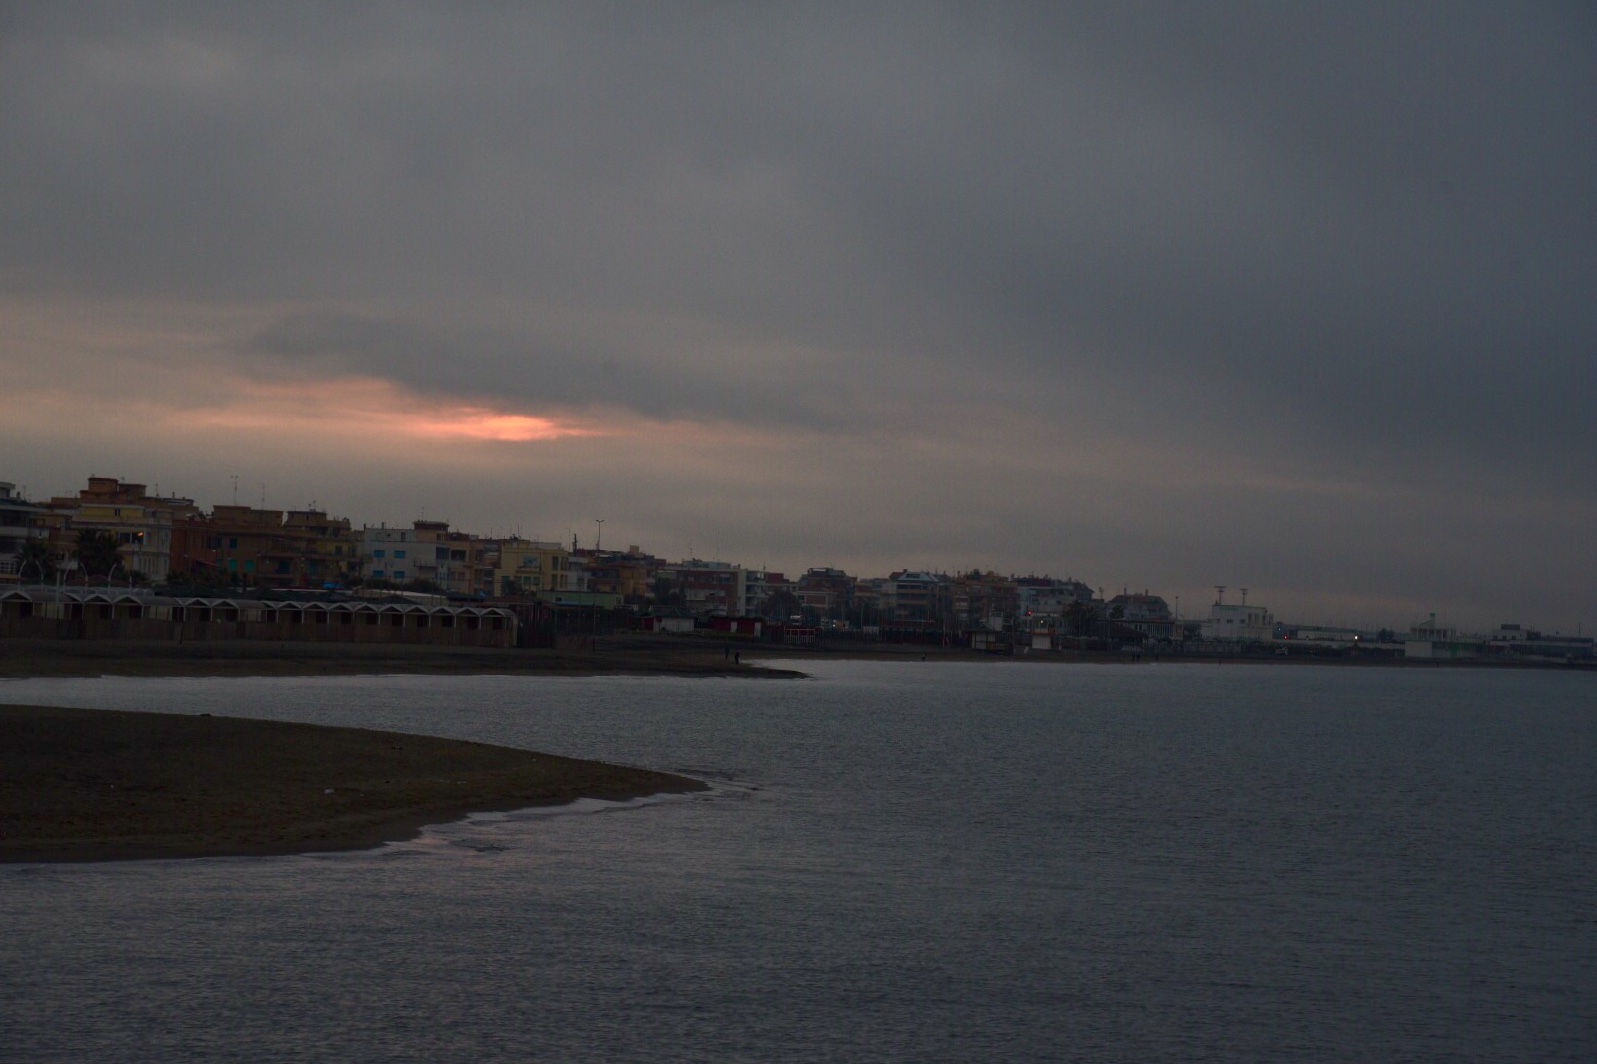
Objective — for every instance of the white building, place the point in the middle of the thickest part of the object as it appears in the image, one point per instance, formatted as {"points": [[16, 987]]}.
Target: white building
{"points": [[1051, 598], [17, 526], [1430, 639], [390, 554], [1238, 623]]}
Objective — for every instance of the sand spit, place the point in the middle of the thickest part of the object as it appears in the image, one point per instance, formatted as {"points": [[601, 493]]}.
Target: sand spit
{"points": [[84, 785]]}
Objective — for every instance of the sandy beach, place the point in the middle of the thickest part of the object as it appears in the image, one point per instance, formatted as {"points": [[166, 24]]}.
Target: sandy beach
{"points": [[81, 784]]}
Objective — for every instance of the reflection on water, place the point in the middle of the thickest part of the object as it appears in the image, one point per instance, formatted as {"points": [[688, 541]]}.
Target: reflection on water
{"points": [[896, 862]]}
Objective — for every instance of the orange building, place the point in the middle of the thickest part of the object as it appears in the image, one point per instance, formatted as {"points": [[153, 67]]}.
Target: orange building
{"points": [[246, 546]]}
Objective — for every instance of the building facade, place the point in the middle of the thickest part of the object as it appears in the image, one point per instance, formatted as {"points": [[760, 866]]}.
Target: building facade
{"points": [[21, 522], [140, 523]]}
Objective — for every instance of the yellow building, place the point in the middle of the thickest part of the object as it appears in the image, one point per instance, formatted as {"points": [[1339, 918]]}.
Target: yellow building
{"points": [[141, 523], [526, 566]]}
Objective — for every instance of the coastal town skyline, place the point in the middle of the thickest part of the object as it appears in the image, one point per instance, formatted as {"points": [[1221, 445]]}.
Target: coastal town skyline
{"points": [[173, 536], [936, 531], [1296, 298]]}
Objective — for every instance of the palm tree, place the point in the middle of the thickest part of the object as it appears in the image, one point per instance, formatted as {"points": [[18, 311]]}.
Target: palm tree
{"points": [[96, 552], [36, 555], [1081, 617], [780, 605]]}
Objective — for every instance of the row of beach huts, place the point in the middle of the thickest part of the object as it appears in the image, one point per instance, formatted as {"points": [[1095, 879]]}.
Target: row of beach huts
{"points": [[112, 613]]}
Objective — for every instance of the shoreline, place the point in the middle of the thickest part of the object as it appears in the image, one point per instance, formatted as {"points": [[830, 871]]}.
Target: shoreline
{"points": [[931, 655], [617, 655], [41, 658], [108, 785]]}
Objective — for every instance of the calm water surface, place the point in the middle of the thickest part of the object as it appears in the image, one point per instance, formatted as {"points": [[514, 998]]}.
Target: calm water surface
{"points": [[899, 862]]}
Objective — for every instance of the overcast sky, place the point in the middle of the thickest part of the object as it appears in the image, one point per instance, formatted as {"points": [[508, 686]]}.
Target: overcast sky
{"points": [[1295, 297]]}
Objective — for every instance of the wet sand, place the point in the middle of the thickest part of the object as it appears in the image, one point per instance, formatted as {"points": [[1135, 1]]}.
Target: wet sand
{"points": [[85, 785]]}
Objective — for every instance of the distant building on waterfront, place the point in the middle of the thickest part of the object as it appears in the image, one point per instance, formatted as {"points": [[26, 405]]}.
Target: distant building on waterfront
{"points": [[825, 594], [20, 522], [625, 574], [1240, 623], [248, 546], [1432, 640], [140, 523], [911, 597], [528, 566], [427, 551], [1142, 612], [708, 588], [1043, 596]]}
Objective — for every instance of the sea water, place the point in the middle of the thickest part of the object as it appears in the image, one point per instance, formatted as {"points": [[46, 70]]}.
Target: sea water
{"points": [[896, 862]]}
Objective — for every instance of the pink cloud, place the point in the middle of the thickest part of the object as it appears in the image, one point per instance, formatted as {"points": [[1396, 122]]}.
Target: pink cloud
{"points": [[365, 406], [477, 424]]}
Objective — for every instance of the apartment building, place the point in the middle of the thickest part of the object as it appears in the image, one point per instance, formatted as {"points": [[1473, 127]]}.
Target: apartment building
{"points": [[140, 523], [20, 522], [526, 567]]}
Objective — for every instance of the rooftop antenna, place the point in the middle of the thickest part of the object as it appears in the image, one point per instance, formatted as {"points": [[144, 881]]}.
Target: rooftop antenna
{"points": [[235, 489], [1219, 594], [1244, 596], [598, 542]]}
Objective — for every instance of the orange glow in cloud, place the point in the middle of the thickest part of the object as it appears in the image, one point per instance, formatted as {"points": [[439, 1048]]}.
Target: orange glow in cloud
{"points": [[370, 407], [475, 424]]}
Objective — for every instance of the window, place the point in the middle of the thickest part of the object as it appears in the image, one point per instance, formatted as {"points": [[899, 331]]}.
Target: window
{"points": [[399, 554], [232, 543], [399, 574], [379, 554], [377, 574]]}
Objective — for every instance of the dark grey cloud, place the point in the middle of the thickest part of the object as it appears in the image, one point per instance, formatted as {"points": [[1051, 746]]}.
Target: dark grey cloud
{"points": [[1354, 241], [1355, 217]]}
